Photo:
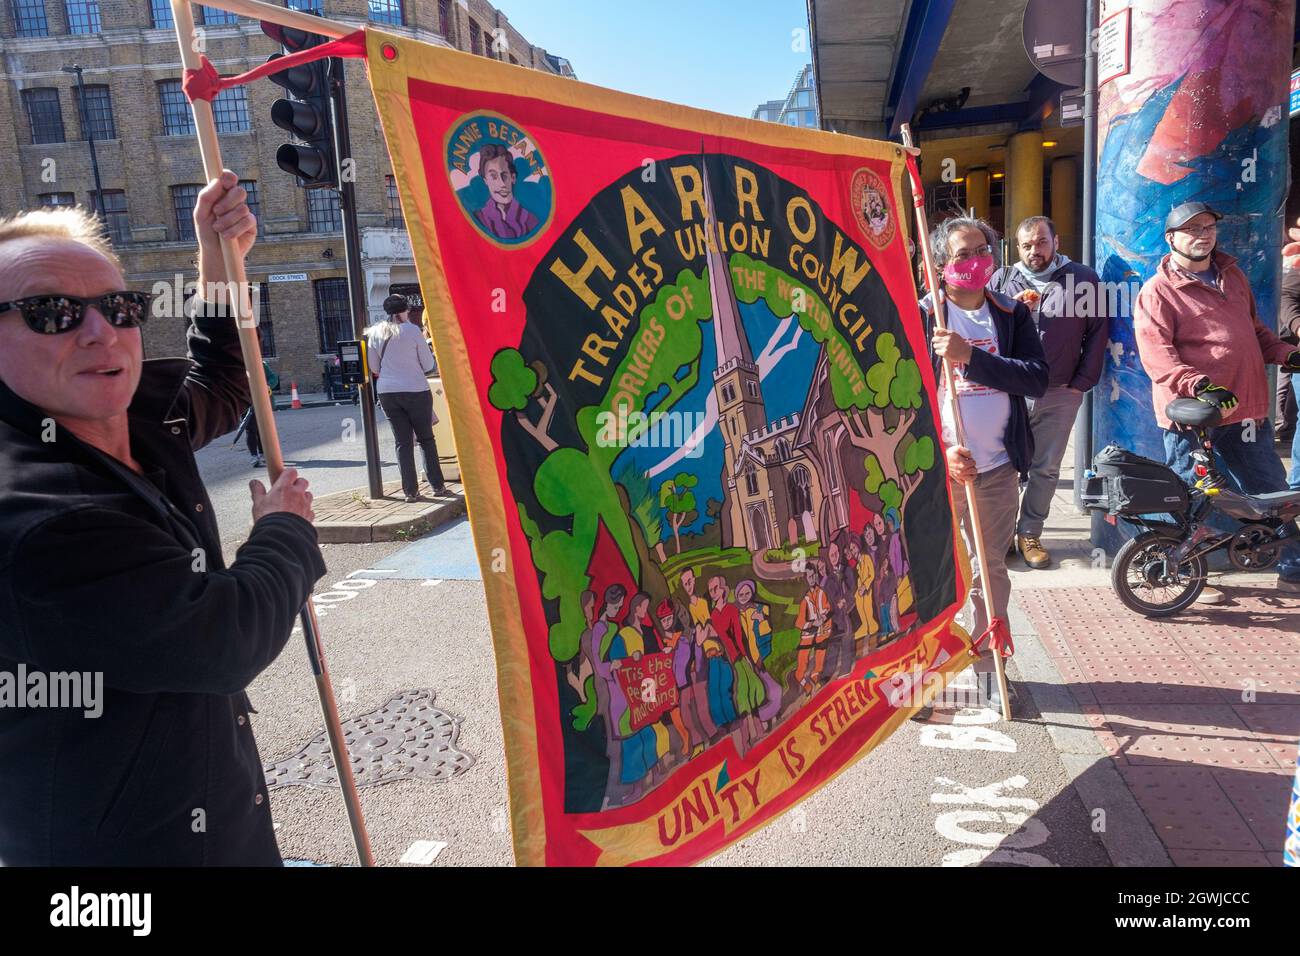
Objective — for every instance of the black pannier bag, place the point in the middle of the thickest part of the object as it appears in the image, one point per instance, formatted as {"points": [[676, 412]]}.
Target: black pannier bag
{"points": [[1123, 483]]}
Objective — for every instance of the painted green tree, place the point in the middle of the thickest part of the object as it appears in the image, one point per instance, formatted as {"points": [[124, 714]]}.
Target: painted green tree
{"points": [[676, 496], [648, 512], [513, 381]]}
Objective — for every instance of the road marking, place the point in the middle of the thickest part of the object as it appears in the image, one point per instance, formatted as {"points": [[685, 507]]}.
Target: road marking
{"points": [[1011, 833], [423, 852], [431, 582]]}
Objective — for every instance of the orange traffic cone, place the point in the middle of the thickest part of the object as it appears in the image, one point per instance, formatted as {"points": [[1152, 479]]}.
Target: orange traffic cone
{"points": [[296, 401]]}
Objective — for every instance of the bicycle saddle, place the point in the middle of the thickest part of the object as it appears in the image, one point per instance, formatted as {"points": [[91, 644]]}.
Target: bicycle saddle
{"points": [[1193, 413]]}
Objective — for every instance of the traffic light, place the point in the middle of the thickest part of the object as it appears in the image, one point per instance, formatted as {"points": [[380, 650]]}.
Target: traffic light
{"points": [[307, 116]]}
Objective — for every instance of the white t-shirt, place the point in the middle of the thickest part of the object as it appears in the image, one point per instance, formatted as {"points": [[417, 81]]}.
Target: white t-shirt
{"points": [[984, 411]]}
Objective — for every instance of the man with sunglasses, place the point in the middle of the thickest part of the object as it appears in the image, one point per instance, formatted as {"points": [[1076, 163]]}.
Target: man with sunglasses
{"points": [[111, 571], [1199, 336]]}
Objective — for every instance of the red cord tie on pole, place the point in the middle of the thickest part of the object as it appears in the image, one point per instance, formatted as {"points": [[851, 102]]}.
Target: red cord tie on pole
{"points": [[998, 635], [205, 82]]}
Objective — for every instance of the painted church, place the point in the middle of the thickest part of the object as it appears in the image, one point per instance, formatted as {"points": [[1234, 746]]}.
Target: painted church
{"points": [[783, 480]]}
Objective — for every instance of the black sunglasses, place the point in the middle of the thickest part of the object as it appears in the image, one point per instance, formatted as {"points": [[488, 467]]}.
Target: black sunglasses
{"points": [[55, 314]]}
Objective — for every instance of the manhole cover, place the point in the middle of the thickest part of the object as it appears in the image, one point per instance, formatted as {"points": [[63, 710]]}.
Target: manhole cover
{"points": [[406, 739]]}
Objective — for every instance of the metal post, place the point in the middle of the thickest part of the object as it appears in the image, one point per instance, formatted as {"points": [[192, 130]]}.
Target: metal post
{"points": [[352, 255], [94, 158], [1083, 420]]}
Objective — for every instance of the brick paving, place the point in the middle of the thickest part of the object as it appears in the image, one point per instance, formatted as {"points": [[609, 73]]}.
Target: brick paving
{"points": [[1200, 713]]}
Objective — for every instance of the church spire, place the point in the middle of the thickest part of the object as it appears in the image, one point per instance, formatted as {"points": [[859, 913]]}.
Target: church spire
{"points": [[728, 332]]}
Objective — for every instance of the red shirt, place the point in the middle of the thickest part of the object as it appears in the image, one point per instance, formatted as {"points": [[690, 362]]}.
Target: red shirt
{"points": [[726, 621]]}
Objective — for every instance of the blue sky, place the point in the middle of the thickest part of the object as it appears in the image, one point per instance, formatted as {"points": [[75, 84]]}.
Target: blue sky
{"points": [[713, 54]]}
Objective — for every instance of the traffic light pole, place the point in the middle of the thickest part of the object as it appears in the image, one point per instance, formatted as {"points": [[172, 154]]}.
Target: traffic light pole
{"points": [[352, 255]]}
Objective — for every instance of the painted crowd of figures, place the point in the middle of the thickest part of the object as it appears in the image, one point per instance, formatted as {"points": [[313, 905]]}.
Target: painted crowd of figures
{"points": [[719, 647]]}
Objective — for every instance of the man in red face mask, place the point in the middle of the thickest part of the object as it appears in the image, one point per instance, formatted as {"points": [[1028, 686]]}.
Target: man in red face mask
{"points": [[997, 361]]}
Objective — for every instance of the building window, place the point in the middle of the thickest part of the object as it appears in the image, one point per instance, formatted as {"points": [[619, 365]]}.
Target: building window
{"points": [[753, 388], [395, 219], [115, 215], [96, 114], [29, 18], [306, 6], [475, 38], [254, 202], [332, 312], [213, 17], [728, 394], [751, 480], [446, 24], [323, 212], [176, 115], [57, 200], [83, 16], [265, 332], [387, 11], [162, 14], [230, 110], [183, 199], [44, 114]]}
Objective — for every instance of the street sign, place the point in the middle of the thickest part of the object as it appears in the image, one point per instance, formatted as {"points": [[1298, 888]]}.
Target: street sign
{"points": [[1113, 46], [1072, 108], [287, 277], [1054, 38]]}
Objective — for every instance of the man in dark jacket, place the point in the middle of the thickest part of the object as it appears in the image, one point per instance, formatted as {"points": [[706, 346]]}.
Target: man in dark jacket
{"points": [[1064, 299], [997, 362], [111, 572]]}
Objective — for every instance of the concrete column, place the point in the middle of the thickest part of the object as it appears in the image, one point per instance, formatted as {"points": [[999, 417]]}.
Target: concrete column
{"points": [[1065, 203], [1201, 115], [977, 190], [1024, 181]]}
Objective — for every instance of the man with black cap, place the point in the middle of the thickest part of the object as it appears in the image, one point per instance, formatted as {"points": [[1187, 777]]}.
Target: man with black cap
{"points": [[1199, 336]]}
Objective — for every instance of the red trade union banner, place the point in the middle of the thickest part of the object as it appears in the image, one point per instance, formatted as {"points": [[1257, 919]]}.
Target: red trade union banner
{"points": [[696, 423]]}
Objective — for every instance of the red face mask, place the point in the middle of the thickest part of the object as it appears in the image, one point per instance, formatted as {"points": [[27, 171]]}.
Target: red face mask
{"points": [[970, 273]]}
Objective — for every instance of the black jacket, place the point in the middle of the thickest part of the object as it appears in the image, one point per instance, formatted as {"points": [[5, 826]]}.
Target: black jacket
{"points": [[1020, 370], [1288, 326], [1071, 321], [102, 571]]}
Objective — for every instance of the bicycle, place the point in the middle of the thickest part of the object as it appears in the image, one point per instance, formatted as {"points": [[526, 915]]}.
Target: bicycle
{"points": [[1161, 570]]}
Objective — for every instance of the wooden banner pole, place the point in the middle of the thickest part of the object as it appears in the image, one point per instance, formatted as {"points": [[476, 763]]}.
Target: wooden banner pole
{"points": [[246, 321], [940, 321]]}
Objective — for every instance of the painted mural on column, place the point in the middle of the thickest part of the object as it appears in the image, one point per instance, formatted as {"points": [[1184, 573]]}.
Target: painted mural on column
{"points": [[1201, 114]]}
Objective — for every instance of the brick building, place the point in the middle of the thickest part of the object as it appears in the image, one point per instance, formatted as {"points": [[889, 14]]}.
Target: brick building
{"points": [[149, 163]]}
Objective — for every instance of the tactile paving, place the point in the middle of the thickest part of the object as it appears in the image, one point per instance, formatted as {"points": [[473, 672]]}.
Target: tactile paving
{"points": [[1187, 808], [1197, 734], [1262, 799], [1200, 711]]}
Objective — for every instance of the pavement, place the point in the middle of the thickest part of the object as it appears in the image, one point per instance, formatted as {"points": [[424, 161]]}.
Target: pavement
{"points": [[353, 517]]}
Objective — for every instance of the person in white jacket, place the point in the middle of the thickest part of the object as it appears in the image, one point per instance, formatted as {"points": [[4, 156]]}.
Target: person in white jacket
{"points": [[399, 359]]}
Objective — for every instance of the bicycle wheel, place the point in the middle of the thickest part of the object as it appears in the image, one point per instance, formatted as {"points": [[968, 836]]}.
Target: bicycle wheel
{"points": [[1146, 580]]}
